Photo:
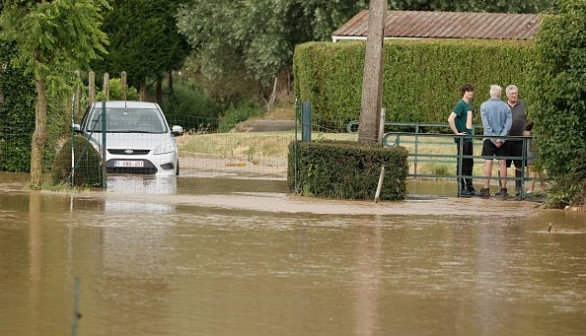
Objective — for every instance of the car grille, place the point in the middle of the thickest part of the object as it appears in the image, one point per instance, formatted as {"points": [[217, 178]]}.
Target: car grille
{"points": [[128, 151], [148, 168]]}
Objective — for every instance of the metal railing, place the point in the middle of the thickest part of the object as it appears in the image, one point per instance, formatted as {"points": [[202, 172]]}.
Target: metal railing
{"points": [[430, 134]]}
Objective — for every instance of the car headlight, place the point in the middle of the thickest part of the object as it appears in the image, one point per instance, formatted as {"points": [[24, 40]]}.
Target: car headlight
{"points": [[164, 149]]}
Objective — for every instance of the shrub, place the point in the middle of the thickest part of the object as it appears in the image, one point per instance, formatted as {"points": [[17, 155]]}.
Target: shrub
{"points": [[189, 107], [346, 170], [560, 115], [87, 166], [236, 114], [116, 91]]}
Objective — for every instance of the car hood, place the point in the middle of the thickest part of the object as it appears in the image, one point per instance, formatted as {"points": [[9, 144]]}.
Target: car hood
{"points": [[134, 140]]}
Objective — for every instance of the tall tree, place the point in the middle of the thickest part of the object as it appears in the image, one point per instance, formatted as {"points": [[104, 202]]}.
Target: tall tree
{"points": [[144, 40], [259, 35], [53, 39]]}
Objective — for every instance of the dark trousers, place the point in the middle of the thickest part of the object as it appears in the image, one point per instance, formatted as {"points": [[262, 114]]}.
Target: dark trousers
{"points": [[467, 166]]}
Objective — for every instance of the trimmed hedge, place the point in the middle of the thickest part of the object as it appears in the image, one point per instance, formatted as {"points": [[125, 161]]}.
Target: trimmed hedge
{"points": [[346, 170], [422, 78]]}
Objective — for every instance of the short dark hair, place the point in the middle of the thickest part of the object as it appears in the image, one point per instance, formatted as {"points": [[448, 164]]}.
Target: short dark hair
{"points": [[467, 87]]}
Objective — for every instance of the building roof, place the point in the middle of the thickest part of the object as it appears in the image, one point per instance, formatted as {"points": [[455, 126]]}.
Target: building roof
{"points": [[419, 24]]}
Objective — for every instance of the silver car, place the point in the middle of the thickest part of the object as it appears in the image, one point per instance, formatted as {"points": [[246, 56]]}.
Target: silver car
{"points": [[138, 138]]}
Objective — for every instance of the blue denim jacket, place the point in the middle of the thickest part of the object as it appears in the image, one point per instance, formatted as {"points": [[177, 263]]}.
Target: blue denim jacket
{"points": [[496, 118]]}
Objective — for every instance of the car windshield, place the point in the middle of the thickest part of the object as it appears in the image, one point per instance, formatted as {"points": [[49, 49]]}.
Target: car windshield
{"points": [[128, 120]]}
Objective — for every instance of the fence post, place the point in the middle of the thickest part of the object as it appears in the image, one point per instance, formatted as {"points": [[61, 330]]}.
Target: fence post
{"points": [[92, 87], [104, 130], [124, 85], [305, 121], [106, 86], [381, 131]]}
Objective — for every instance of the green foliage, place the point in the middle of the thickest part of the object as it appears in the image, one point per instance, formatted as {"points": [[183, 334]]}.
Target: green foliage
{"points": [[188, 100], [346, 170], [116, 91], [87, 166], [16, 113], [422, 78], [237, 113], [191, 108], [566, 191], [54, 38], [259, 34], [560, 116], [144, 40]]}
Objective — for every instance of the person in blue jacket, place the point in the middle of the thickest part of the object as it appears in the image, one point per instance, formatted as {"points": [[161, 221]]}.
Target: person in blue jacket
{"points": [[496, 121]]}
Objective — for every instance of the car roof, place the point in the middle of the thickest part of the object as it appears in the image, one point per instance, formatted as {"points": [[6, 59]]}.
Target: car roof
{"points": [[126, 103]]}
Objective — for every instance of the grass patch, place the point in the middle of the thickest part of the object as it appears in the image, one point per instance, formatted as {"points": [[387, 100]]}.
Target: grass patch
{"points": [[255, 144]]}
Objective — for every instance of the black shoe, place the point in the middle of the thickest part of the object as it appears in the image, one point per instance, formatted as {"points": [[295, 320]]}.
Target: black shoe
{"points": [[484, 192], [503, 193], [472, 192], [465, 192]]}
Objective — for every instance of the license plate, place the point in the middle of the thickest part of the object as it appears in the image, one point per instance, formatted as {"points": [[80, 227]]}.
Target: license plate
{"points": [[121, 163]]}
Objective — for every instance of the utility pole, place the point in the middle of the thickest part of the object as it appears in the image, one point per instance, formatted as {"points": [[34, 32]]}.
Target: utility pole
{"points": [[372, 82]]}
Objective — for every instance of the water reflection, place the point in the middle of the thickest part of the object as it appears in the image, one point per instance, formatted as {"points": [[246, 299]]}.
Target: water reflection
{"points": [[197, 270], [140, 185]]}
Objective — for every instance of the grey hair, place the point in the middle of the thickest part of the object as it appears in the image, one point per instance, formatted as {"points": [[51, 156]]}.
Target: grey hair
{"points": [[495, 90], [511, 88]]}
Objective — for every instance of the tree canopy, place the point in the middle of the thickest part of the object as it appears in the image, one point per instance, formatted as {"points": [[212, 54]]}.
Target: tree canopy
{"points": [[260, 35], [144, 40]]}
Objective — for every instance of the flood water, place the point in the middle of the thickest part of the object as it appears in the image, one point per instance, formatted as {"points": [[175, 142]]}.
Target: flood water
{"points": [[217, 256]]}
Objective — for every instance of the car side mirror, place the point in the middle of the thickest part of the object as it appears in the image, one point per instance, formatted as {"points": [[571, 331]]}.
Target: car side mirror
{"points": [[76, 128], [177, 130]]}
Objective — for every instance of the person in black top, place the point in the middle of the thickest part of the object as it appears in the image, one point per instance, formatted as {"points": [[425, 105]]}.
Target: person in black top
{"points": [[515, 146], [460, 121]]}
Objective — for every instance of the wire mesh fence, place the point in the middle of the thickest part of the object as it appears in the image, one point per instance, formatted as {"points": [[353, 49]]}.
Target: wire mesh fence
{"points": [[258, 153]]}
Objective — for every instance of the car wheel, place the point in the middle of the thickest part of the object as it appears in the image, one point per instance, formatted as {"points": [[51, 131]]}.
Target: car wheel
{"points": [[177, 170]]}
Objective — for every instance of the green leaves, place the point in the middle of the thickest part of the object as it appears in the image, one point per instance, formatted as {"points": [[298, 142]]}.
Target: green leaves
{"points": [[560, 115], [422, 78], [258, 34]]}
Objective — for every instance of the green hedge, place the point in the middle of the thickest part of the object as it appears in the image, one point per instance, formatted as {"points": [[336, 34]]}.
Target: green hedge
{"points": [[346, 170], [422, 78], [17, 114]]}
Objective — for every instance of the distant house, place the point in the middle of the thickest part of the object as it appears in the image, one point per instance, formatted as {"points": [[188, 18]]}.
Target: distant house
{"points": [[418, 24]]}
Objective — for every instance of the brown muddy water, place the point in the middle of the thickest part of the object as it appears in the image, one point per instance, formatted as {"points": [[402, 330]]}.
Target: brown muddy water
{"points": [[225, 256]]}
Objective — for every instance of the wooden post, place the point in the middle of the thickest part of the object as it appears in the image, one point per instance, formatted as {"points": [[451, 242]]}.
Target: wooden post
{"points": [[77, 103], [124, 85], [380, 184], [372, 82], [106, 86], [92, 87]]}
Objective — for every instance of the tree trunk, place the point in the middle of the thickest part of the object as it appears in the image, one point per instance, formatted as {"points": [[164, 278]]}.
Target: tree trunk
{"points": [[160, 91], [40, 134], [170, 79], [143, 90], [372, 82]]}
